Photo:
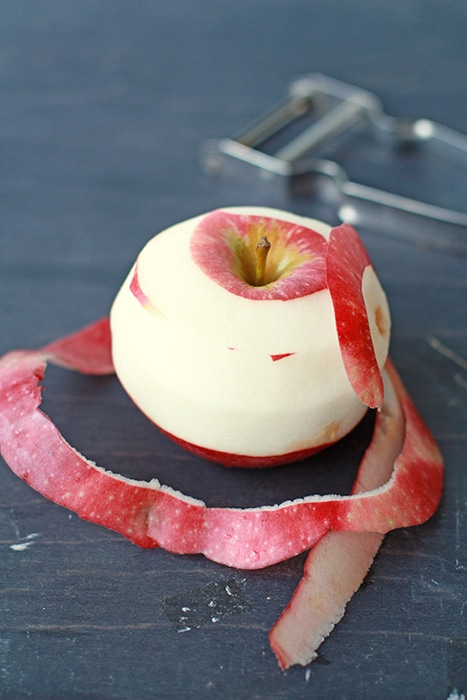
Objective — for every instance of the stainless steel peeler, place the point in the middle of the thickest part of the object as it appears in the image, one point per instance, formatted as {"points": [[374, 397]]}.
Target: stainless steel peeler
{"points": [[292, 151]]}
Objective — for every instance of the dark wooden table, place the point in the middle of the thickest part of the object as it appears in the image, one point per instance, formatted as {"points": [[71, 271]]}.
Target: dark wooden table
{"points": [[103, 107]]}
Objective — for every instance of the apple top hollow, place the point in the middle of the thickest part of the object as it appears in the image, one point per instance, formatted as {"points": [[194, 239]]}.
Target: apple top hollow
{"points": [[259, 257]]}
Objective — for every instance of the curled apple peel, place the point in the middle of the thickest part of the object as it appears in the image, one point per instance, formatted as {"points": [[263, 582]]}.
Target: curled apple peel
{"points": [[399, 482]]}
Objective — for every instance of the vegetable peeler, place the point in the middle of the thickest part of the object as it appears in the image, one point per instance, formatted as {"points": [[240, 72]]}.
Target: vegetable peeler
{"points": [[300, 147]]}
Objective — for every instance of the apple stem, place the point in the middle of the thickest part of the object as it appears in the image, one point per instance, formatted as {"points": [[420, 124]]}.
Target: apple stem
{"points": [[262, 250]]}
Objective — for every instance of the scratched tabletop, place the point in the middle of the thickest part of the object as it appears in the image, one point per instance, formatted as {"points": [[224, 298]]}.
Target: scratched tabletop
{"points": [[103, 110]]}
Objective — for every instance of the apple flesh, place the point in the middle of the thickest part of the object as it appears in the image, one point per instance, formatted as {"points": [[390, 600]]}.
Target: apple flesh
{"points": [[247, 373]]}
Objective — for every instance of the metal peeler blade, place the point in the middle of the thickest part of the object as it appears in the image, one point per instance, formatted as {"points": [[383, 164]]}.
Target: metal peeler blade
{"points": [[317, 116]]}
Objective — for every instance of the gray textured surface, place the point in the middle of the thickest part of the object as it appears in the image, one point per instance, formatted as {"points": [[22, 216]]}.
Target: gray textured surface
{"points": [[103, 106]]}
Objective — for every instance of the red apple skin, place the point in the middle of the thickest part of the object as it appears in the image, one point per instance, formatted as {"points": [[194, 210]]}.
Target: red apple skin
{"points": [[419, 469], [138, 293], [346, 261], [244, 461], [88, 350]]}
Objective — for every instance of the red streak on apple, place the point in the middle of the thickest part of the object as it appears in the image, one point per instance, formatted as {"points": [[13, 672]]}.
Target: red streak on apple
{"points": [[281, 356], [345, 264], [138, 293], [240, 460]]}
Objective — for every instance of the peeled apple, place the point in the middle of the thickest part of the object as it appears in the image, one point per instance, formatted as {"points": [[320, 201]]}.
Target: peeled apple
{"points": [[251, 374]]}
